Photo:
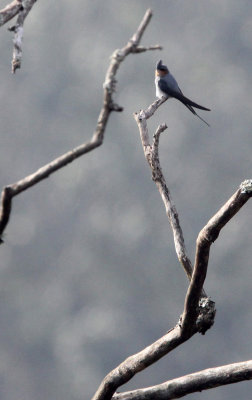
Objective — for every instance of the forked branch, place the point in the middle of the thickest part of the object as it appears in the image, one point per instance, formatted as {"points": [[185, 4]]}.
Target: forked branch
{"points": [[182, 332], [138, 362], [204, 241], [199, 311], [96, 140], [152, 157]]}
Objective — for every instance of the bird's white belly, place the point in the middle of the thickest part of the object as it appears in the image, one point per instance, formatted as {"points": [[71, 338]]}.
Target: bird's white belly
{"points": [[159, 92]]}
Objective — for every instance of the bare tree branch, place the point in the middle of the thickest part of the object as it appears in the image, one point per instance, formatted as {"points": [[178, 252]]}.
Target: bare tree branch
{"points": [[205, 238], [18, 33], [151, 155], [141, 49], [10, 11], [203, 380], [22, 9], [109, 105], [192, 314], [199, 311], [205, 310], [199, 316], [138, 362]]}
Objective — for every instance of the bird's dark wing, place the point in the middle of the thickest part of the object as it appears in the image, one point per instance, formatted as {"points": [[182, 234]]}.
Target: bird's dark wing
{"points": [[179, 96]]}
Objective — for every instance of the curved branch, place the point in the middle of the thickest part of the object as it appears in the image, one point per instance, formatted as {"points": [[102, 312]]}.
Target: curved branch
{"points": [[194, 308], [203, 380], [97, 139], [138, 362], [204, 241]]}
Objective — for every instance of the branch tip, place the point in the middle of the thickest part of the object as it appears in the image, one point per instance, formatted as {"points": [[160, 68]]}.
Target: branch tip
{"points": [[161, 128]]}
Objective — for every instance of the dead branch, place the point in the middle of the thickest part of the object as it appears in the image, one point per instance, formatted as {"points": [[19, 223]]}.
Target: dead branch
{"points": [[194, 308], [18, 33], [138, 362], [205, 239], [21, 8], [205, 312], [203, 380], [151, 155], [199, 311], [96, 140]]}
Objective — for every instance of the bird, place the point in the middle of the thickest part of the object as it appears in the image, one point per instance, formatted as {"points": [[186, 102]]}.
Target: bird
{"points": [[166, 85]]}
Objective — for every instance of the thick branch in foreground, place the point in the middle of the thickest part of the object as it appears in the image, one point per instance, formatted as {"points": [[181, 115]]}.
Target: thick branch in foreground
{"points": [[203, 380], [204, 309], [204, 241], [97, 139], [148, 356], [138, 362]]}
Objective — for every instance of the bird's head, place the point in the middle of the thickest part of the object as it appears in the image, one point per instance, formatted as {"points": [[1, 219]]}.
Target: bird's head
{"points": [[161, 69]]}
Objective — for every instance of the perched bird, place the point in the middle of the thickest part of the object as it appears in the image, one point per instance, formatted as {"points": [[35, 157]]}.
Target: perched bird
{"points": [[166, 85]]}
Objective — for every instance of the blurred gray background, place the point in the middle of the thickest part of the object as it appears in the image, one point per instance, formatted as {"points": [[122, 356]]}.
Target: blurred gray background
{"points": [[88, 271]]}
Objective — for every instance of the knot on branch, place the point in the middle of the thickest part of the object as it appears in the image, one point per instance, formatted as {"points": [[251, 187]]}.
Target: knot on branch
{"points": [[157, 174], [246, 186], [12, 28], [133, 44], [118, 55], [206, 315], [16, 64], [115, 107], [141, 49], [110, 85], [141, 115]]}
